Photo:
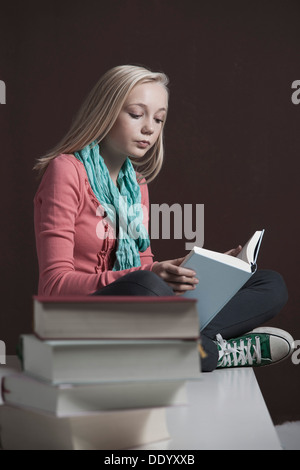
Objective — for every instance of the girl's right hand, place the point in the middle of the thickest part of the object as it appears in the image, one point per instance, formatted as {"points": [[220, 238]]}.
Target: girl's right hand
{"points": [[180, 279]]}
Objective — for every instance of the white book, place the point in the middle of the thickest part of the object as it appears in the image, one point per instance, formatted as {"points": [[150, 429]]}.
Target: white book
{"points": [[23, 429], [220, 276], [70, 400], [94, 361]]}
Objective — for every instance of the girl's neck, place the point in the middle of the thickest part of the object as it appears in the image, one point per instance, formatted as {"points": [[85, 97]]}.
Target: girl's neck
{"points": [[114, 164]]}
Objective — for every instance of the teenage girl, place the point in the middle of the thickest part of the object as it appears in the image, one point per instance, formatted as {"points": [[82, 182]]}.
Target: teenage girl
{"points": [[91, 220]]}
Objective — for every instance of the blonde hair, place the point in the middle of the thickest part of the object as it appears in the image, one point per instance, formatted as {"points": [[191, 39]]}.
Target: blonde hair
{"points": [[99, 112]]}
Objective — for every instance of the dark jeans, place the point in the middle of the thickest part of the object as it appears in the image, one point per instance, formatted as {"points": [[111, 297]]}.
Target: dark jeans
{"points": [[259, 300], [137, 283]]}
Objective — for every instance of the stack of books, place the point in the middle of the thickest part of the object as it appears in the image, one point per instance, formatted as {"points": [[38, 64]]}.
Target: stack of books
{"points": [[99, 372]]}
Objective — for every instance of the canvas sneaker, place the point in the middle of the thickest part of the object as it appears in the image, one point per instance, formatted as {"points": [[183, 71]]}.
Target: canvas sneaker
{"points": [[260, 347]]}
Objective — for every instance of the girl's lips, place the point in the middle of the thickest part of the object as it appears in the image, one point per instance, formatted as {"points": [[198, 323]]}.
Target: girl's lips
{"points": [[143, 143]]}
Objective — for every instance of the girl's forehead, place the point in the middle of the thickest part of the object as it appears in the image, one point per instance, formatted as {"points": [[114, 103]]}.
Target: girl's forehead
{"points": [[148, 93]]}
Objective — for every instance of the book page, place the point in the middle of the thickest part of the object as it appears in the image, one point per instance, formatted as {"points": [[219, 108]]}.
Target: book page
{"points": [[250, 250], [216, 256]]}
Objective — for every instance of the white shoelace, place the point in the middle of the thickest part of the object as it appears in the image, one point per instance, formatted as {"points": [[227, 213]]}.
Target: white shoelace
{"points": [[239, 355]]}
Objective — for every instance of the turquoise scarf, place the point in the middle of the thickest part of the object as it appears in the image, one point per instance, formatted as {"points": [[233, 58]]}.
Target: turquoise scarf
{"points": [[123, 206]]}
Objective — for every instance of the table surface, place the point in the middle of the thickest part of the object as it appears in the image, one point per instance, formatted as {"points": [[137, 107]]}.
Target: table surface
{"points": [[225, 410]]}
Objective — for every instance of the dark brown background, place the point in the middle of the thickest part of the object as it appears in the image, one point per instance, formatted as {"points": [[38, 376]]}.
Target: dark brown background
{"points": [[232, 136]]}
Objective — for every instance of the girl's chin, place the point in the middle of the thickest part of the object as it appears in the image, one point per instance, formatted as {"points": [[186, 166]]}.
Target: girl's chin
{"points": [[139, 153]]}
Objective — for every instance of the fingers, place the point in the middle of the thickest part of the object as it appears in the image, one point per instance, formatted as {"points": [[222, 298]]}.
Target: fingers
{"points": [[180, 279], [234, 251], [177, 261], [178, 275], [181, 284], [181, 288], [179, 270], [181, 292]]}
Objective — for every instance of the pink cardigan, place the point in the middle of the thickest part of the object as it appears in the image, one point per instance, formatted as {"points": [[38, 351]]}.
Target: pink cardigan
{"points": [[74, 256]]}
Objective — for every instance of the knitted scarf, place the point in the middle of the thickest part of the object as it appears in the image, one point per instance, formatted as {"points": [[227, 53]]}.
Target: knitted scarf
{"points": [[123, 206]]}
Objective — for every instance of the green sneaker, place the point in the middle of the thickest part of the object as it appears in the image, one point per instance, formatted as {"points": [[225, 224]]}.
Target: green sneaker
{"points": [[259, 347]]}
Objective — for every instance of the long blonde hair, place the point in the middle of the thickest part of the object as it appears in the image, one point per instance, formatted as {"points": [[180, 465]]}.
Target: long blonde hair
{"points": [[99, 112]]}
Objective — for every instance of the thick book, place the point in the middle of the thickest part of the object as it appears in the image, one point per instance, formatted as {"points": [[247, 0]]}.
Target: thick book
{"points": [[23, 429], [220, 276], [70, 400], [114, 317], [94, 361]]}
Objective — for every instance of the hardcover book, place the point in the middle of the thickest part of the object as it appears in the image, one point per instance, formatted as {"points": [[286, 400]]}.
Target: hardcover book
{"points": [[220, 276]]}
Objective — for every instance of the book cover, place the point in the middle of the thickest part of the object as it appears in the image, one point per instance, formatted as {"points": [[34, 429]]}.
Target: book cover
{"points": [[220, 276]]}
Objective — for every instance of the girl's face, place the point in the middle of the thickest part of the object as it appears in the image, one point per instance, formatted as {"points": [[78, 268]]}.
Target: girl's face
{"points": [[139, 123]]}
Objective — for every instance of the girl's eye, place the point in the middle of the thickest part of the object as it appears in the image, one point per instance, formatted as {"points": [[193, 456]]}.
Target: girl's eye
{"points": [[135, 116]]}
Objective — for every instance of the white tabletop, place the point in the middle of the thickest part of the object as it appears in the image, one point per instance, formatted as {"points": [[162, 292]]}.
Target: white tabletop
{"points": [[225, 410]]}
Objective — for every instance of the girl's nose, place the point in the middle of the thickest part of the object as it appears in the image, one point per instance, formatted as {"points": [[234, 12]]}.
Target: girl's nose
{"points": [[148, 128]]}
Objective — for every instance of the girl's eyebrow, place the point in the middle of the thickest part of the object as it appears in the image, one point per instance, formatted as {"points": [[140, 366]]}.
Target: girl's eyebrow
{"points": [[145, 106]]}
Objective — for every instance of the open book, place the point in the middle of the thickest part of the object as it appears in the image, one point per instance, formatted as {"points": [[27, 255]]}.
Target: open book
{"points": [[220, 276]]}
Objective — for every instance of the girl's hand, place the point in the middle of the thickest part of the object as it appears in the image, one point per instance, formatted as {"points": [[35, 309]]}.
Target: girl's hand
{"points": [[234, 251], [179, 278]]}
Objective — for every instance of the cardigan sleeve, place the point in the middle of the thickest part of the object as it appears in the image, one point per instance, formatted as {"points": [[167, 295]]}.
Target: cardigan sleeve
{"points": [[56, 205]]}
